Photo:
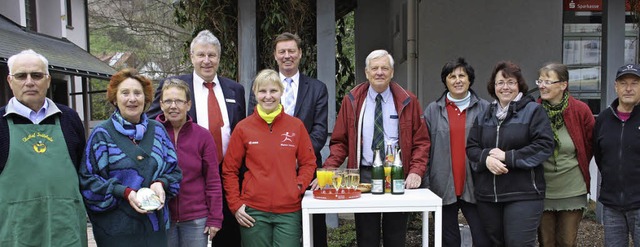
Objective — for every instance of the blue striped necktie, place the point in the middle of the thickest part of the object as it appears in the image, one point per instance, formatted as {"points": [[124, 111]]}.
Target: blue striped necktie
{"points": [[378, 129], [289, 107]]}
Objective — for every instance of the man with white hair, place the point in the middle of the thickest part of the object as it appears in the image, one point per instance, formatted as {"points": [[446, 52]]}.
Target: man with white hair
{"points": [[40, 150], [374, 114]]}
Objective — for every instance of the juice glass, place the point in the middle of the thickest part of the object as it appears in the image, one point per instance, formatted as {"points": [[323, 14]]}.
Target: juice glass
{"points": [[320, 176], [387, 179]]}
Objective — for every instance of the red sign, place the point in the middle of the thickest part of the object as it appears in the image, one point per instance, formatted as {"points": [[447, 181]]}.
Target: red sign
{"points": [[588, 5]]}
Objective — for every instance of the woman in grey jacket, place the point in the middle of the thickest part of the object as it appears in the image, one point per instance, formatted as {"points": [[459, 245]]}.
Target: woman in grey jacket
{"points": [[449, 119]]}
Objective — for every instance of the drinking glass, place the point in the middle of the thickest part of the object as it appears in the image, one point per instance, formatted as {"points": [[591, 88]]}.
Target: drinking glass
{"points": [[329, 176], [353, 178], [387, 179], [321, 173], [337, 179]]}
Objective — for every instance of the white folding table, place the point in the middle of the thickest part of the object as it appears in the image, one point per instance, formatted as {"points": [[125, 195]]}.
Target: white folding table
{"points": [[415, 200]]}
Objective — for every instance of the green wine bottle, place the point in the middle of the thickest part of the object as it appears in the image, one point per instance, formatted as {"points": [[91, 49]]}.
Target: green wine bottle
{"points": [[377, 175], [397, 175]]}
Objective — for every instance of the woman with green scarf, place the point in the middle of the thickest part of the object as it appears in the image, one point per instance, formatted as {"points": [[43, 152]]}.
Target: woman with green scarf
{"points": [[280, 161], [566, 172]]}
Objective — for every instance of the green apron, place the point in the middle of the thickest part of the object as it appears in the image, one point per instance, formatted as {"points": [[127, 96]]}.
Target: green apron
{"points": [[40, 201]]}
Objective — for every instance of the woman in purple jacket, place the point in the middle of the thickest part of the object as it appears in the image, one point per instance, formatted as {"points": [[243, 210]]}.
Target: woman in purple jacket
{"points": [[197, 211]]}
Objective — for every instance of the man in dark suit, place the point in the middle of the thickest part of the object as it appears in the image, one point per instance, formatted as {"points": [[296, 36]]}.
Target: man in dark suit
{"points": [[229, 95], [305, 98]]}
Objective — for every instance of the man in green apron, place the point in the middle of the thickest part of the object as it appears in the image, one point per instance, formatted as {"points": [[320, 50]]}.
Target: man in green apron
{"points": [[41, 146]]}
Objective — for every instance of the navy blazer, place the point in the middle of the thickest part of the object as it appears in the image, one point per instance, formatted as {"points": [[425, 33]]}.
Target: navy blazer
{"points": [[312, 108], [233, 97]]}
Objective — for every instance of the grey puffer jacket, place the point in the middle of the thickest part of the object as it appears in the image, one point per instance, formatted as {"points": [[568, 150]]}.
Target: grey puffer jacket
{"points": [[439, 175]]}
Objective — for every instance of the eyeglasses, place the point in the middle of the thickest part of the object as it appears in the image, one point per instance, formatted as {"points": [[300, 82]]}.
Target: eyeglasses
{"points": [[36, 76], [178, 102], [546, 82], [508, 83]]}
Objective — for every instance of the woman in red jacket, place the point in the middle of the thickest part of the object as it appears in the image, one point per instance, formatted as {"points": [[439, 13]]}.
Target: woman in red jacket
{"points": [[566, 172], [280, 162]]}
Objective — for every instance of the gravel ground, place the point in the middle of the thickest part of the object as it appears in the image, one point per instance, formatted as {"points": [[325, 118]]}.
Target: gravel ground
{"points": [[590, 233]]}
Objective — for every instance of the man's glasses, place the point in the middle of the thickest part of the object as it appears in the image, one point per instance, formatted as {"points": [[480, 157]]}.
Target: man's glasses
{"points": [[36, 76], [546, 82], [178, 102]]}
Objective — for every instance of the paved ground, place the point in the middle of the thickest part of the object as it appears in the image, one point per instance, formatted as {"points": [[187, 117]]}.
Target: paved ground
{"points": [[92, 243]]}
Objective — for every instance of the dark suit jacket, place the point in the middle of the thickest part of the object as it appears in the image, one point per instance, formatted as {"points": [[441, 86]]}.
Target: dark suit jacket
{"points": [[233, 97], [312, 109]]}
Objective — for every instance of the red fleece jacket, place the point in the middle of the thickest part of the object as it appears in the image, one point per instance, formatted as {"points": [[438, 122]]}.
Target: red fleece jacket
{"points": [[280, 163]]}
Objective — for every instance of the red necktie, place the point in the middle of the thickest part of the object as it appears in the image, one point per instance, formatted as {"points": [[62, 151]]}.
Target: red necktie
{"points": [[215, 118]]}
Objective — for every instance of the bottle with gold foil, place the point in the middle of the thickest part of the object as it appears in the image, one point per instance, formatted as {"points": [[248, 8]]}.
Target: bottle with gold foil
{"points": [[377, 174], [397, 175]]}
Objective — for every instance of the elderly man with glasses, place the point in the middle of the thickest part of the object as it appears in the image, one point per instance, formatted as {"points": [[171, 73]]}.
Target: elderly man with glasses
{"points": [[40, 151]]}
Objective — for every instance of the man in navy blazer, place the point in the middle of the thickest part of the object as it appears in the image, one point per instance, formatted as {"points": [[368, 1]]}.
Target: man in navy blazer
{"points": [[205, 57], [305, 98]]}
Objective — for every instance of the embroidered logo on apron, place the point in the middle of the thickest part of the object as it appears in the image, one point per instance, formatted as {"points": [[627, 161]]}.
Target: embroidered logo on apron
{"points": [[39, 141]]}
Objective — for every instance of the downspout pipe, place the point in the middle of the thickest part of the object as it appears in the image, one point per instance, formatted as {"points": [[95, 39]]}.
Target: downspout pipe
{"points": [[412, 55]]}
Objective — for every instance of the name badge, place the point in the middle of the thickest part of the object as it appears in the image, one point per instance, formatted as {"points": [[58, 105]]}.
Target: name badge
{"points": [[393, 116], [232, 101]]}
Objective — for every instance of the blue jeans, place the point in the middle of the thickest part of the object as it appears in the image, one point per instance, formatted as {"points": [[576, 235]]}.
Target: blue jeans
{"points": [[619, 224], [188, 233]]}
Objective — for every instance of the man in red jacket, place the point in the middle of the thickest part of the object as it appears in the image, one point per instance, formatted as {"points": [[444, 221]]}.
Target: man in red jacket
{"points": [[403, 126]]}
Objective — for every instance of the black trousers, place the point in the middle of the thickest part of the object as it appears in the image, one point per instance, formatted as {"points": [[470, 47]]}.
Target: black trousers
{"points": [[394, 229], [451, 229], [511, 224], [319, 230], [229, 235], [368, 225]]}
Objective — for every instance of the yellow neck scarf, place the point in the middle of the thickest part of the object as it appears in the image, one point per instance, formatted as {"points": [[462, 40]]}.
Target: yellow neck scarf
{"points": [[268, 117]]}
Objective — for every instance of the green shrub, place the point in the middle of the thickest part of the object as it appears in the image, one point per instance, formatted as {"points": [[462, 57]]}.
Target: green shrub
{"points": [[342, 236]]}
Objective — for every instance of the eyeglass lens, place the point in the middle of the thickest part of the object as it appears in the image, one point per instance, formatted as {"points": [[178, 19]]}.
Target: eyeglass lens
{"points": [[170, 102]]}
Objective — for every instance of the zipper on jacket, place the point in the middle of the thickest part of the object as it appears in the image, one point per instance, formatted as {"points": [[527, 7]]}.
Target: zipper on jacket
{"points": [[533, 181], [495, 191], [177, 198], [620, 172], [177, 208]]}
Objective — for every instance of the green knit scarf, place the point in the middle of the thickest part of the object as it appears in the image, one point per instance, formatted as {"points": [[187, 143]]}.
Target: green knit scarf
{"points": [[555, 116]]}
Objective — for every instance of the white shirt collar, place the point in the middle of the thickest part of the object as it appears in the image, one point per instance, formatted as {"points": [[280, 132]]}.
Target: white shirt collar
{"points": [[197, 80], [295, 77]]}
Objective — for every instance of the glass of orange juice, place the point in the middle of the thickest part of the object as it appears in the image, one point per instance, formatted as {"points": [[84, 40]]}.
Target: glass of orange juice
{"points": [[320, 176], [387, 179]]}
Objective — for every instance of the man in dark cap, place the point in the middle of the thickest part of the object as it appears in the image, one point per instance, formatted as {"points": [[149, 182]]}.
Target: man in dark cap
{"points": [[617, 153]]}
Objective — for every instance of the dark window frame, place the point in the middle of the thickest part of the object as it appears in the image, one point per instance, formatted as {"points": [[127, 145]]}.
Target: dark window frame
{"points": [[69, 14]]}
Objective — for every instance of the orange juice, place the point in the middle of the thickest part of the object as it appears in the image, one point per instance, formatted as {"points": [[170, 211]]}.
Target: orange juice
{"points": [[320, 175], [387, 179]]}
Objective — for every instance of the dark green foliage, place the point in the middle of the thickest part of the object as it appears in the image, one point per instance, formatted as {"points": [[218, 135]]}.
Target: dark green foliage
{"points": [[345, 53], [219, 17], [273, 17], [342, 236]]}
